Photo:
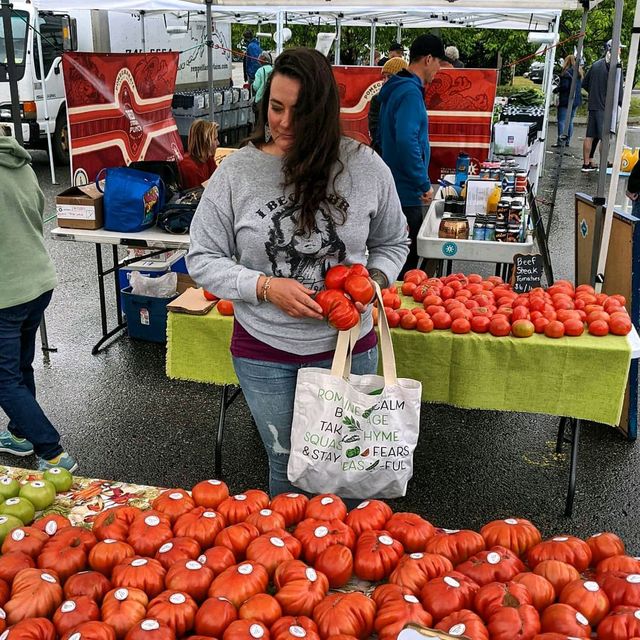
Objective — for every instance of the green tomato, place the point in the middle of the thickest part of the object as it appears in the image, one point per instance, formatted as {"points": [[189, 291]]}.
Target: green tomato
{"points": [[9, 488], [20, 508], [7, 524], [60, 478], [40, 493]]}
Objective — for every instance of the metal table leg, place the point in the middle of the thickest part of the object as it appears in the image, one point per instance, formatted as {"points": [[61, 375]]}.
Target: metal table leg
{"points": [[560, 440], [226, 401], [575, 437]]}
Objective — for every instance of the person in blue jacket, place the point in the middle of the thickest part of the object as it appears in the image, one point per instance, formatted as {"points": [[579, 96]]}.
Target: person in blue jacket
{"points": [[404, 134], [563, 90], [252, 56]]}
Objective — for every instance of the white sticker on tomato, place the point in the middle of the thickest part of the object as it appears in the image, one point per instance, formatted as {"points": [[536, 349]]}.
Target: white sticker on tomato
{"points": [[592, 586], [38, 484], [417, 556], [18, 534], [51, 527], [177, 598], [152, 521], [109, 541], [47, 577], [4, 635], [493, 558], [325, 501], [56, 471], [215, 483], [321, 532], [293, 495], [458, 629], [265, 512], [363, 505], [452, 582], [209, 514], [560, 539], [596, 535], [68, 605], [11, 501], [202, 559], [311, 574], [167, 546], [386, 540], [6, 480], [450, 531], [256, 631], [511, 521], [245, 569], [633, 578], [121, 594], [411, 599], [240, 497], [297, 632], [75, 636], [194, 565], [581, 619], [277, 542], [3, 614], [176, 496], [139, 562], [149, 625], [636, 614]]}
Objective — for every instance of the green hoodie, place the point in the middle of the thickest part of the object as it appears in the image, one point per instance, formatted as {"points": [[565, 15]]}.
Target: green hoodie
{"points": [[26, 271]]}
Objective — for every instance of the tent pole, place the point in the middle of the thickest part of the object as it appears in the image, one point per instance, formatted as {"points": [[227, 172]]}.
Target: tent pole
{"points": [[399, 33], [209, 58], [372, 44], [11, 70], [597, 275], [142, 32], [622, 127], [336, 46], [45, 102], [279, 37]]}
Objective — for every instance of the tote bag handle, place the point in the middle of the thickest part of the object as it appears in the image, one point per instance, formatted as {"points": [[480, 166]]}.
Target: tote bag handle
{"points": [[341, 366]]}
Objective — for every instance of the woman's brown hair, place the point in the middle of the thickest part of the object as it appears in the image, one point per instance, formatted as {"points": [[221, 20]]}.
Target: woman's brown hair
{"points": [[202, 133], [569, 63], [309, 163]]}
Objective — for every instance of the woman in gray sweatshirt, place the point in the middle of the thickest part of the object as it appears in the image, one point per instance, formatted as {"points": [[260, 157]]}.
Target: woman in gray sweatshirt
{"points": [[298, 199]]}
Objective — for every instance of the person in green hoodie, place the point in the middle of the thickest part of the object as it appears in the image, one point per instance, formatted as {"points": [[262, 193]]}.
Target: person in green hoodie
{"points": [[27, 279]]}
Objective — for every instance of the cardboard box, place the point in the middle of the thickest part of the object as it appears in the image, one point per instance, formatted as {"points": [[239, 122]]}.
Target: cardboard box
{"points": [[511, 138], [80, 208]]}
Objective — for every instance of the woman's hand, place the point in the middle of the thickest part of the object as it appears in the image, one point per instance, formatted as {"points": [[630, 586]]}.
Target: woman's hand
{"points": [[293, 298]]}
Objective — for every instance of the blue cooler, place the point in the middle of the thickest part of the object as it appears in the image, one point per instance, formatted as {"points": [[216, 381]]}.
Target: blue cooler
{"points": [[146, 316]]}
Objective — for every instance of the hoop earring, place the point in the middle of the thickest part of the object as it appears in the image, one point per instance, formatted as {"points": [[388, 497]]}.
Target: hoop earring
{"points": [[267, 133]]}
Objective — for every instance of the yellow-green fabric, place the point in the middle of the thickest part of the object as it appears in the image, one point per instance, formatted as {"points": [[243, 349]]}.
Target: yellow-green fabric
{"points": [[583, 377]]}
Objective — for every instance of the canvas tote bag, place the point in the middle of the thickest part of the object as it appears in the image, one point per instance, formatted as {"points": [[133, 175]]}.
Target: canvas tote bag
{"points": [[354, 435]]}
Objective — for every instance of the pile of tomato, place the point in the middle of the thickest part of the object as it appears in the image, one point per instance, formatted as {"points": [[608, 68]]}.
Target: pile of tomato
{"points": [[206, 565], [462, 304]]}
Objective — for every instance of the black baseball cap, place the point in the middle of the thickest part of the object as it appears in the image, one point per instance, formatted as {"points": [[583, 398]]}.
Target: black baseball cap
{"points": [[396, 46], [425, 45]]}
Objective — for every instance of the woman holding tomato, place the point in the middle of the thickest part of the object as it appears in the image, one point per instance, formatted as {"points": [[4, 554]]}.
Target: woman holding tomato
{"points": [[296, 200]]}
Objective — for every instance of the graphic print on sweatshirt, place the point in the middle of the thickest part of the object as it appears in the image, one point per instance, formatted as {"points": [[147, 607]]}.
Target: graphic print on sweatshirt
{"points": [[306, 257]]}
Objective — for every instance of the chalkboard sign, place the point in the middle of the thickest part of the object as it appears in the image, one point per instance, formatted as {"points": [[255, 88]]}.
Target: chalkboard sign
{"points": [[527, 272]]}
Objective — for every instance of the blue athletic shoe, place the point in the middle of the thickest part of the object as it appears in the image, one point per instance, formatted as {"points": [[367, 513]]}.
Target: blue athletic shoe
{"points": [[15, 446], [64, 460]]}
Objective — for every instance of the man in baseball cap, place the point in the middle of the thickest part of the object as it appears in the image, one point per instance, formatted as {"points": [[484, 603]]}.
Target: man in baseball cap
{"points": [[396, 50]]}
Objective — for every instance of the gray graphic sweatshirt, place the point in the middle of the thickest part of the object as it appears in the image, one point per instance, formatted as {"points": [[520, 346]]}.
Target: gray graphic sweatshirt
{"points": [[245, 226]]}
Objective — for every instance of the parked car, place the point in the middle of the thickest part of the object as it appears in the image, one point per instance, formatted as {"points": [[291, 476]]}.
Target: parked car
{"points": [[536, 72]]}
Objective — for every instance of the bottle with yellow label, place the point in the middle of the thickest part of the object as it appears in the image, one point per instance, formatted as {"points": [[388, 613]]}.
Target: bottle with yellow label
{"points": [[493, 199]]}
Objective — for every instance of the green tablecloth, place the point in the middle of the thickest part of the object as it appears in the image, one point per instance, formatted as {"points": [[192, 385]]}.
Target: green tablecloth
{"points": [[582, 377]]}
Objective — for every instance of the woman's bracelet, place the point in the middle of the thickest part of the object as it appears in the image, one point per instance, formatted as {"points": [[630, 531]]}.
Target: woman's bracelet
{"points": [[265, 288]]}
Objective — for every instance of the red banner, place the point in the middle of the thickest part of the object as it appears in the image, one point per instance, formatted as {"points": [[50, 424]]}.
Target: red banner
{"points": [[119, 110], [459, 104]]}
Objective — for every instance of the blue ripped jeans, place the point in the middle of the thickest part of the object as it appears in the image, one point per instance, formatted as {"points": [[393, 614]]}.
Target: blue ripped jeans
{"points": [[269, 389]]}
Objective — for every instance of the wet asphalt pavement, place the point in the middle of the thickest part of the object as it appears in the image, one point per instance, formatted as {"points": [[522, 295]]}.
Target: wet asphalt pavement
{"points": [[124, 419]]}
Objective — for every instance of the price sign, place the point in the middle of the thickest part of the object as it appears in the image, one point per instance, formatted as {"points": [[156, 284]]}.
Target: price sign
{"points": [[527, 272]]}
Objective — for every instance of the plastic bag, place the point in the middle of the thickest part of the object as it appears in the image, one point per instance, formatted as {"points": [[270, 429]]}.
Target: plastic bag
{"points": [[162, 287]]}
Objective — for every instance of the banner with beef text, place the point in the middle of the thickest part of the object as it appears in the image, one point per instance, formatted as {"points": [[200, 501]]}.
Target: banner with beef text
{"points": [[459, 103], [119, 110]]}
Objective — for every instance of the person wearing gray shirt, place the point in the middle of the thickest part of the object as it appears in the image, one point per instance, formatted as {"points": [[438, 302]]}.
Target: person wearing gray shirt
{"points": [[276, 215]]}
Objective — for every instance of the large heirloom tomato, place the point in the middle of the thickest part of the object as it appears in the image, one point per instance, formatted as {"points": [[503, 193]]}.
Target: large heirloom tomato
{"points": [[5, 593], [148, 532], [108, 554], [625, 564], [326, 506], [621, 624], [292, 506], [237, 538], [29, 540], [150, 629], [495, 565], [416, 569], [34, 594], [299, 597], [176, 609], [455, 544], [73, 537], [201, 524], [261, 607], [12, 563], [236, 508], [64, 560], [217, 559], [514, 623], [240, 582], [190, 576], [291, 570], [496, 595], [562, 618], [588, 598], [122, 608], [411, 530], [114, 523], [569, 549], [516, 534], [317, 535], [387, 592], [246, 630], [51, 523], [621, 588], [542, 592], [210, 493], [173, 503], [336, 562], [558, 573], [92, 630], [177, 550], [345, 613], [604, 545], [274, 548], [266, 520], [451, 592], [377, 555], [464, 623], [140, 573], [393, 616], [87, 583], [32, 629], [294, 628], [214, 616], [368, 515], [73, 612]]}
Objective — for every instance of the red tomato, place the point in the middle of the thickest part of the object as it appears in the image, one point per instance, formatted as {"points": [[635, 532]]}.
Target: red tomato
{"points": [[408, 288], [562, 618], [418, 312], [415, 275], [359, 288], [588, 598], [432, 309], [408, 321], [425, 324], [208, 295], [598, 328], [605, 545], [537, 305], [441, 320], [514, 623], [471, 304], [621, 299], [327, 298], [540, 324], [565, 314], [336, 276], [558, 573], [461, 325], [523, 328], [598, 315], [475, 278], [494, 565], [573, 327], [542, 592], [345, 613], [480, 324], [343, 315], [619, 325], [499, 326], [520, 313], [482, 311], [555, 329], [393, 318], [586, 288], [225, 307], [336, 562], [460, 312], [391, 300], [446, 293], [403, 312], [505, 311], [431, 299]]}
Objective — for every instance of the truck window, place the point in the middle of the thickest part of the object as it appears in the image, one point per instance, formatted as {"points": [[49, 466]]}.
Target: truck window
{"points": [[19, 21], [52, 42]]}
